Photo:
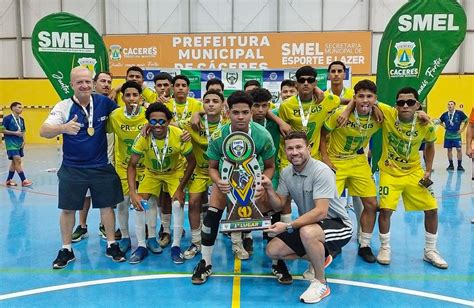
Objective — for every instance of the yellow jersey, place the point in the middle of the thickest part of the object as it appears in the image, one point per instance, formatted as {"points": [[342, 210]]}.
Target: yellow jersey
{"points": [[347, 93], [290, 113], [344, 142], [176, 149], [191, 106], [401, 142], [200, 141], [148, 96]]}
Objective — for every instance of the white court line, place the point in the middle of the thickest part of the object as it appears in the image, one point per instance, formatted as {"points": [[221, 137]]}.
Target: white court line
{"points": [[168, 276]]}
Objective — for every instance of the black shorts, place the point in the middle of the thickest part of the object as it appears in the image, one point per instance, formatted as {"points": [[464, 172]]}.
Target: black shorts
{"points": [[337, 236], [103, 182]]}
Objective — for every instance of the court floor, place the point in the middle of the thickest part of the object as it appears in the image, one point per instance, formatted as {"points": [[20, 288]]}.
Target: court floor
{"points": [[30, 239]]}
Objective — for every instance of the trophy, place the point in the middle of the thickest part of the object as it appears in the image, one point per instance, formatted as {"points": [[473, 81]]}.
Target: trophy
{"points": [[240, 167]]}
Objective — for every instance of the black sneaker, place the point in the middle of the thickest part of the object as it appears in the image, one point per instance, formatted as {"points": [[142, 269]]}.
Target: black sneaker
{"points": [[118, 235], [102, 232], [281, 272], [248, 245], [450, 168], [460, 168], [64, 257], [201, 272], [79, 234], [115, 253], [367, 255]]}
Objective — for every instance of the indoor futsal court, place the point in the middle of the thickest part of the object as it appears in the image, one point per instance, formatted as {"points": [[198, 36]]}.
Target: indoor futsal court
{"points": [[29, 239]]}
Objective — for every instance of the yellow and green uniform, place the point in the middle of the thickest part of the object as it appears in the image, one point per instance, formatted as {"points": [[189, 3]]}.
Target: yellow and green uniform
{"points": [[353, 170], [200, 179], [171, 171], [290, 113], [148, 96], [193, 106], [400, 165], [126, 129], [347, 93]]}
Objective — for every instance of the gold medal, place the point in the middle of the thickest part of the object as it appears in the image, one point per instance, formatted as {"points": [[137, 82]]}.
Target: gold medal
{"points": [[90, 131]]}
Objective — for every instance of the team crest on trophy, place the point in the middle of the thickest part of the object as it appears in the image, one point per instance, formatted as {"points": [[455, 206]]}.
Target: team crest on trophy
{"points": [[241, 169]]}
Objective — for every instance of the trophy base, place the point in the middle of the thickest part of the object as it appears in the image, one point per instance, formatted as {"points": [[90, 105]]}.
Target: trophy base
{"points": [[245, 224]]}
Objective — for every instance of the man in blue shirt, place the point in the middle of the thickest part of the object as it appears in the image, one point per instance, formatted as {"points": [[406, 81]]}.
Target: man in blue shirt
{"points": [[81, 120], [451, 120], [14, 131]]}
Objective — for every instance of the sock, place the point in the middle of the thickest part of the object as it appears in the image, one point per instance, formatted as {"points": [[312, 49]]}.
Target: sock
{"points": [[151, 217], [206, 252], [385, 240], [365, 239], [123, 216], [196, 236], [286, 218], [166, 222], [109, 243], [459, 163], [430, 240], [68, 247], [10, 175], [22, 176], [236, 238], [178, 221], [451, 163], [140, 219]]}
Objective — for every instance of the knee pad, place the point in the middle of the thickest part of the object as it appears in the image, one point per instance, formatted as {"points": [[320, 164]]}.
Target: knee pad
{"points": [[210, 226]]}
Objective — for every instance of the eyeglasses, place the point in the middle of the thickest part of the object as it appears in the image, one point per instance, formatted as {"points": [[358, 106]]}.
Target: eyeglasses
{"points": [[154, 122], [309, 80], [409, 102]]}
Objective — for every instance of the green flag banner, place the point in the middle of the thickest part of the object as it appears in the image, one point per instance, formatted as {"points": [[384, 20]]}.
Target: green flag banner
{"points": [[62, 41], [416, 45]]}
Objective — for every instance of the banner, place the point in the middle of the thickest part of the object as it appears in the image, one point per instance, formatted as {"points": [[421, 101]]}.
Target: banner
{"points": [[240, 51], [62, 41], [416, 45]]}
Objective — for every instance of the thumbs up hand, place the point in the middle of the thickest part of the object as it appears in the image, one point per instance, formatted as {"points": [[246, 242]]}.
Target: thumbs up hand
{"points": [[72, 127]]}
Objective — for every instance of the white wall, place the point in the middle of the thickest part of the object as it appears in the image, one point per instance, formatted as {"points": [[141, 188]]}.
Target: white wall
{"points": [[183, 16]]}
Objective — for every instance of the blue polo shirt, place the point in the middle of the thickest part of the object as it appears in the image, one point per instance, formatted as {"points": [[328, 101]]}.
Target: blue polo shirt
{"points": [[82, 150], [12, 142], [452, 127]]}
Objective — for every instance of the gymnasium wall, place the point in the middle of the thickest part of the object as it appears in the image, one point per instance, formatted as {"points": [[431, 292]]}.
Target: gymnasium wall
{"points": [[39, 92]]}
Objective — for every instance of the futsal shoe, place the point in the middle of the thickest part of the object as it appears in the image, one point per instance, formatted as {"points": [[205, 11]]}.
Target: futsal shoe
{"points": [[383, 257], [240, 252], [79, 234], [138, 255], [450, 168], [433, 257], [201, 272], [281, 273], [125, 244], [165, 239], [177, 255], [115, 253], [153, 245], [461, 169], [366, 254], [10, 183], [192, 251], [64, 257], [315, 292], [26, 183]]}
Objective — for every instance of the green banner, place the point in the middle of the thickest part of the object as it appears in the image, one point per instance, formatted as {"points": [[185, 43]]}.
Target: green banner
{"points": [[416, 45], [62, 41]]}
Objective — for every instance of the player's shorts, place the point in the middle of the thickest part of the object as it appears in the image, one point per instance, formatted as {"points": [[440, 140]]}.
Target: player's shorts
{"points": [[199, 182], [153, 183], [12, 153], [355, 175], [103, 183], [452, 143], [415, 197], [122, 173], [422, 146], [336, 232]]}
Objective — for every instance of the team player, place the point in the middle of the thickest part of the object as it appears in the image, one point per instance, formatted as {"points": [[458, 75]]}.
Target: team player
{"points": [[452, 120], [213, 102], [287, 89], [135, 73], [162, 153], [14, 130], [240, 114], [401, 173], [352, 169], [336, 76], [126, 123], [163, 83]]}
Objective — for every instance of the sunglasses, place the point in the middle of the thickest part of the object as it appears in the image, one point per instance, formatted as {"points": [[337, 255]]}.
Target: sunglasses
{"points": [[154, 122], [409, 102], [309, 80]]}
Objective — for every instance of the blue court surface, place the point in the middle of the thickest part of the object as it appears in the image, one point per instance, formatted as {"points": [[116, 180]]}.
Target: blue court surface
{"points": [[30, 240]]}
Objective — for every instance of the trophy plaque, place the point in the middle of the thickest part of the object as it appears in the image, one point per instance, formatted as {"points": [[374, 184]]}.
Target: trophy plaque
{"points": [[240, 167]]}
